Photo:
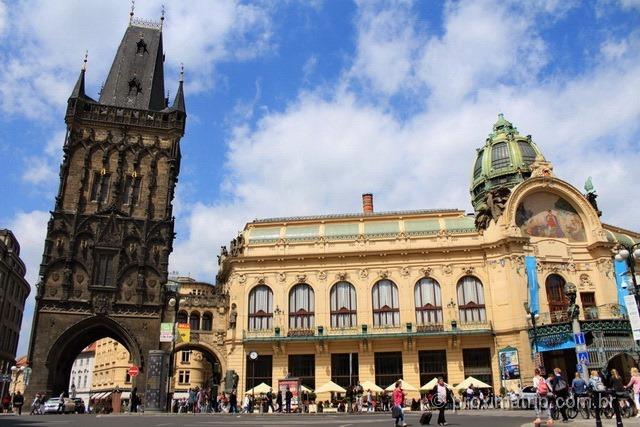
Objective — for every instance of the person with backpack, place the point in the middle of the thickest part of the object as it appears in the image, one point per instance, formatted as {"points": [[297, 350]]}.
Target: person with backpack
{"points": [[560, 389], [541, 387]]}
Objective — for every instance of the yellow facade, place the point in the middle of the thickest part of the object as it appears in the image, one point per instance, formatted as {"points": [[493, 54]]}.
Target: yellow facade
{"points": [[406, 247], [110, 367]]}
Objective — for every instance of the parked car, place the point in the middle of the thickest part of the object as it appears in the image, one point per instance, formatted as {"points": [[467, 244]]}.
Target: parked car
{"points": [[53, 406], [80, 408], [525, 398]]}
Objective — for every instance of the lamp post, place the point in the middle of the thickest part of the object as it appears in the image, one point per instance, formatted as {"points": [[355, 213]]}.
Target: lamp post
{"points": [[173, 300], [630, 254], [533, 315], [253, 356]]}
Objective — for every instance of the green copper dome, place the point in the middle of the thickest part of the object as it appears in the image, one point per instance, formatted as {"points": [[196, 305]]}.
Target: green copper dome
{"points": [[503, 161]]}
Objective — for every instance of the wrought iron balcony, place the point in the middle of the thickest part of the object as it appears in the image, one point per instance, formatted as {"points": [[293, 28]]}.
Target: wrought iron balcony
{"points": [[369, 331], [604, 311]]}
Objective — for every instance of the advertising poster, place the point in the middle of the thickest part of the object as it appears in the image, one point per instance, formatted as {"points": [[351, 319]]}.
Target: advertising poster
{"points": [[166, 332], [294, 386], [509, 364], [184, 333]]}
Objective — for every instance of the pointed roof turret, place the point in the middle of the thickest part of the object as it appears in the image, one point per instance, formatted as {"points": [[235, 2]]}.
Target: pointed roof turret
{"points": [[178, 102], [136, 78], [78, 89]]}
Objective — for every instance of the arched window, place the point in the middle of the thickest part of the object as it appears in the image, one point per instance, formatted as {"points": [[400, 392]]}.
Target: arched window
{"points": [[301, 307], [260, 308], [471, 300], [386, 308], [182, 317], [194, 321], [558, 302], [428, 302], [343, 305], [207, 321]]}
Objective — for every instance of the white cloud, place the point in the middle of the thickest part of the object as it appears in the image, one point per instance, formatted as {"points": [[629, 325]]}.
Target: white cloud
{"points": [[3, 18], [630, 4], [322, 152], [42, 61]]}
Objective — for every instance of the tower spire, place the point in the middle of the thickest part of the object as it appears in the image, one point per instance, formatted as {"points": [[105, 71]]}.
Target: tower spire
{"points": [[133, 7], [78, 89], [178, 102], [162, 17]]}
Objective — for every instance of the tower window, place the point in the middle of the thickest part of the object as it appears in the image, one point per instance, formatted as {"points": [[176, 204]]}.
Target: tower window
{"points": [[477, 168], [100, 187], [131, 190], [528, 153], [500, 157], [141, 47], [135, 86], [104, 270]]}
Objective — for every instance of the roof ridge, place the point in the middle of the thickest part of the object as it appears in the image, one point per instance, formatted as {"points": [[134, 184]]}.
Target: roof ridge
{"points": [[354, 215]]}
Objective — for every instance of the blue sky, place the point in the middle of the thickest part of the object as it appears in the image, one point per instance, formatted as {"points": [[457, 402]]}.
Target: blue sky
{"points": [[299, 107]]}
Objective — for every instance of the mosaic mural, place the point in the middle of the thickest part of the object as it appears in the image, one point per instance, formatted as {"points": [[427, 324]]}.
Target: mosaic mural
{"points": [[549, 215]]}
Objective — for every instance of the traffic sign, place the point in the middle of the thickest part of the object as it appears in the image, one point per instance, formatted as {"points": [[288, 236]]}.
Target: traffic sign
{"points": [[133, 371], [583, 358], [579, 338]]}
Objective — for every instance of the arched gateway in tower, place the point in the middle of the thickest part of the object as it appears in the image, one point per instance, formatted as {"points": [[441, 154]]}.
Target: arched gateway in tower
{"points": [[104, 266]]}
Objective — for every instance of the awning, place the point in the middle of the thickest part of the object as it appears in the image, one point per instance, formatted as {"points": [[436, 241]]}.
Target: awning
{"points": [[125, 395], [97, 395], [107, 394]]}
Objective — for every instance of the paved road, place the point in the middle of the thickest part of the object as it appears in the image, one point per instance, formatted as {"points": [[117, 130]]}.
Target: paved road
{"points": [[312, 420]]}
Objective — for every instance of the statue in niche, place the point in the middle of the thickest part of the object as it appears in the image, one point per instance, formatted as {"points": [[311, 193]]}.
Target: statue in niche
{"points": [[233, 316]]}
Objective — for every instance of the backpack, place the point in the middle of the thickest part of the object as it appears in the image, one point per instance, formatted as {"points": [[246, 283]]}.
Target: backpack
{"points": [[561, 384], [543, 388]]}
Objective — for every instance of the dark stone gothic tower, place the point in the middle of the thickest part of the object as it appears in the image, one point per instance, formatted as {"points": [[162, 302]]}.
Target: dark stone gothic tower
{"points": [[110, 234]]}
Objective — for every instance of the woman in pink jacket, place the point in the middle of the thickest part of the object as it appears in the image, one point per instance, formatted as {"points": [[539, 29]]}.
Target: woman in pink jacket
{"points": [[398, 404], [635, 382]]}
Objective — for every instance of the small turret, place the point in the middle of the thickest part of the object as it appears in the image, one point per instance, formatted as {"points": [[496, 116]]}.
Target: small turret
{"points": [[178, 102], [78, 89]]}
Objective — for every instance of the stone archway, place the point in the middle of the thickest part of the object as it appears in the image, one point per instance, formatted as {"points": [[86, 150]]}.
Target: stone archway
{"points": [[75, 338], [210, 355], [622, 362]]}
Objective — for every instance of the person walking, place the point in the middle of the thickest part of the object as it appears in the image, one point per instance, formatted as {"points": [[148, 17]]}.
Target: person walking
{"points": [[278, 401], [134, 400], [287, 400], [398, 404], [233, 402], [18, 401], [634, 384], [270, 401], [442, 396], [561, 392]]}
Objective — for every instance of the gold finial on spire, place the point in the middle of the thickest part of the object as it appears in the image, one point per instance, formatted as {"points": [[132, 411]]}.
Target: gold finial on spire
{"points": [[162, 17], [84, 62], [181, 72], [133, 7]]}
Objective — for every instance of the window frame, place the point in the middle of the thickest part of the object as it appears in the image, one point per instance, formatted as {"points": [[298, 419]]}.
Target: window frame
{"points": [[301, 317], [343, 317], [470, 311], [433, 312], [380, 313], [260, 320]]}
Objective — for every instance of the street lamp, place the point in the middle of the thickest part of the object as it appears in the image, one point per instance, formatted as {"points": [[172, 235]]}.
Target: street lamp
{"points": [[630, 254], [533, 315], [173, 301]]}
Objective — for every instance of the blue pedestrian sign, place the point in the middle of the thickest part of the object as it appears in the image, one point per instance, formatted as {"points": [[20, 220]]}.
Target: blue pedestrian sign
{"points": [[583, 358], [579, 339]]}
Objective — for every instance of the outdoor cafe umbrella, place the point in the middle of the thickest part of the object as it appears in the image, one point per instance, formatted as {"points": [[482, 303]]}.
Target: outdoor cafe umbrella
{"points": [[330, 387], [431, 384], [368, 385], [405, 386], [472, 381], [260, 388], [304, 388]]}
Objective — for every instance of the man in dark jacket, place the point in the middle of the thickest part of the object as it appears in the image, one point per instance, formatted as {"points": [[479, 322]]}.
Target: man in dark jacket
{"points": [[287, 400]]}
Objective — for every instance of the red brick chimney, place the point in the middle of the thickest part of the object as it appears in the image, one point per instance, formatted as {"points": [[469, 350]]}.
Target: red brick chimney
{"points": [[367, 203]]}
